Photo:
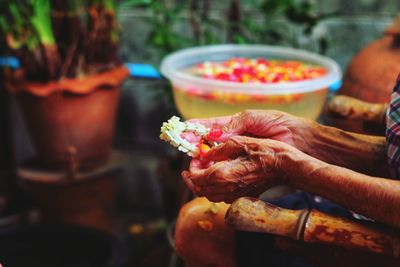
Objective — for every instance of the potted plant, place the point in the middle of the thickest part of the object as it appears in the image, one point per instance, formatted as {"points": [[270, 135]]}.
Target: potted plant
{"points": [[69, 79]]}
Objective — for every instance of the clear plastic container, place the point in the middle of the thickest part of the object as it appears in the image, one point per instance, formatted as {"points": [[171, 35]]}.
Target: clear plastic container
{"points": [[197, 97]]}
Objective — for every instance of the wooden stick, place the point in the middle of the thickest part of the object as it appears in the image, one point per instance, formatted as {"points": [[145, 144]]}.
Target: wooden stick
{"points": [[248, 214], [355, 109]]}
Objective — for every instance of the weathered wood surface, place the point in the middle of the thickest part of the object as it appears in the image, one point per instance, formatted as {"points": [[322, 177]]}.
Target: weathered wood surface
{"points": [[351, 108], [254, 215]]}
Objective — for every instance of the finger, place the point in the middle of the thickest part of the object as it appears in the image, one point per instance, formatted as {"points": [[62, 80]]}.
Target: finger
{"points": [[241, 172], [228, 180], [230, 124], [253, 122], [197, 174], [214, 122], [217, 123], [199, 164], [266, 124], [228, 150], [229, 194], [233, 148], [224, 176], [216, 194], [188, 182], [237, 124], [216, 173]]}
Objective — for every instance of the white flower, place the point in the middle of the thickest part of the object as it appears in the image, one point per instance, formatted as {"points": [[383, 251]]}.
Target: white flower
{"points": [[171, 132]]}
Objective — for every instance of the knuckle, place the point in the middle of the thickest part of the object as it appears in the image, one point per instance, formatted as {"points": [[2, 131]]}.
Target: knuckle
{"points": [[237, 117], [220, 174], [235, 140], [248, 114]]}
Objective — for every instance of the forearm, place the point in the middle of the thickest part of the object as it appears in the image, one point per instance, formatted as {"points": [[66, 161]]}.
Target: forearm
{"points": [[375, 197], [363, 153]]}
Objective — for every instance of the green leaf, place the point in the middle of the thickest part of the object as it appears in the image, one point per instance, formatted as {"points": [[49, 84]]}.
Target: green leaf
{"points": [[41, 21], [239, 39], [135, 3], [109, 5], [4, 27], [16, 14], [273, 7], [70, 6]]}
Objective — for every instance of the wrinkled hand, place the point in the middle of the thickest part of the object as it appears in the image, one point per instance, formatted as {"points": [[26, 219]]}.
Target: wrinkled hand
{"points": [[242, 166], [270, 124]]}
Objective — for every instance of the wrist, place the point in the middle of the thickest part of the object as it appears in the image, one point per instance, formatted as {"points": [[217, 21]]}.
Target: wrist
{"points": [[303, 132], [295, 166], [358, 152], [326, 143]]}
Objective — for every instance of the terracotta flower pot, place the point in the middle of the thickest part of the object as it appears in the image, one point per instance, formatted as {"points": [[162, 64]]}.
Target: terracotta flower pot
{"points": [[84, 198], [71, 121], [371, 76], [372, 73]]}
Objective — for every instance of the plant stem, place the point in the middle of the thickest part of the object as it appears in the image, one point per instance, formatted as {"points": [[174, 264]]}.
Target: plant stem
{"points": [[107, 4], [234, 19], [194, 22], [102, 35], [70, 35], [4, 27]]}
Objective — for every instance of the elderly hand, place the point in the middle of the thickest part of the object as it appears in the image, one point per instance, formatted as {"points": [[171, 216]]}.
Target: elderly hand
{"points": [[270, 124], [358, 152], [242, 166]]}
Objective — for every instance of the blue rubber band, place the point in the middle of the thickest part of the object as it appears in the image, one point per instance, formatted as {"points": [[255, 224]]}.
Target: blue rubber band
{"points": [[143, 71], [335, 86], [11, 62]]}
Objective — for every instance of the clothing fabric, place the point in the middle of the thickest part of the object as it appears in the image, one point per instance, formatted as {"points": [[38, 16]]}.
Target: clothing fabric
{"points": [[393, 131]]}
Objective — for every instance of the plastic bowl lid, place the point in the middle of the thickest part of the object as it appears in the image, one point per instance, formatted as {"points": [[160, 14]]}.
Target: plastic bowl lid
{"points": [[173, 64]]}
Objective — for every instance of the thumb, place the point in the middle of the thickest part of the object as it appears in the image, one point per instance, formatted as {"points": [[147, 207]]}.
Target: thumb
{"points": [[251, 122], [227, 150], [233, 148], [236, 126]]}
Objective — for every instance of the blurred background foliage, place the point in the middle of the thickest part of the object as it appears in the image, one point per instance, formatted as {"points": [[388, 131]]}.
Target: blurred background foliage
{"points": [[272, 24], [54, 39], [170, 25]]}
